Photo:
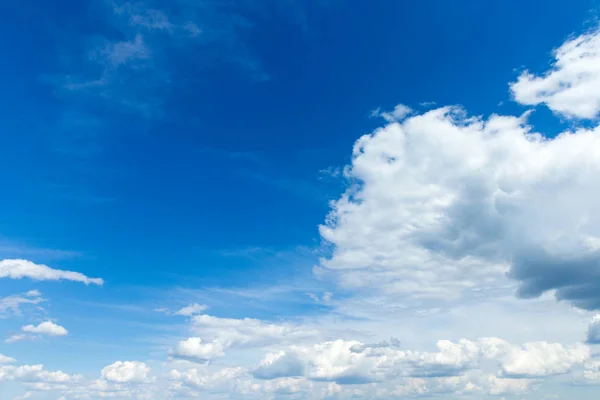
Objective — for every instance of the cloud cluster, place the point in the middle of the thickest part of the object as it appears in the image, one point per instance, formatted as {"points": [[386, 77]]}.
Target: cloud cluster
{"points": [[215, 335], [352, 362]]}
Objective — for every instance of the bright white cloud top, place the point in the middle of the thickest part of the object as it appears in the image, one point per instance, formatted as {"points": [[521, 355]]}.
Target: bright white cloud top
{"points": [[19, 269], [46, 328], [572, 86]]}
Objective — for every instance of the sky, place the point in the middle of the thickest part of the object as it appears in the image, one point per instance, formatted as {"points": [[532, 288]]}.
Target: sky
{"points": [[300, 199]]}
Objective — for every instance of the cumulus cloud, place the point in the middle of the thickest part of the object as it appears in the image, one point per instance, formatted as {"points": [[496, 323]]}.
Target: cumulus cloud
{"points": [[126, 372], [46, 328], [353, 362], [543, 359], [194, 349], [444, 205], [19, 269], [216, 335], [572, 86]]}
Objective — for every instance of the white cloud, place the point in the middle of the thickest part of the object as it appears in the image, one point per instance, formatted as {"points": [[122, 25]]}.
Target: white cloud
{"points": [[399, 112], [19, 269], [572, 86], [34, 373], [46, 328], [205, 379], [543, 359], [191, 309], [6, 360], [444, 205], [471, 384], [354, 362], [126, 372], [11, 305], [19, 337], [194, 349], [248, 332]]}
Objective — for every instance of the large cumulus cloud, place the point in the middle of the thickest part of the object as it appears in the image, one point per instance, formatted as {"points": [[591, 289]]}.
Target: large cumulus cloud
{"points": [[445, 206]]}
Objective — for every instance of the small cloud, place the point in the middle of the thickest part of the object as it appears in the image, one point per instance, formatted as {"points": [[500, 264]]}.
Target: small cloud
{"points": [[46, 328], [333, 172], [33, 293], [6, 360], [191, 309], [192, 29], [324, 299], [399, 112], [19, 337]]}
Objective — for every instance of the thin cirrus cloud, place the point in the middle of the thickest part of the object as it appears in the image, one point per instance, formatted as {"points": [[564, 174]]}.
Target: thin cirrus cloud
{"points": [[19, 269], [12, 305]]}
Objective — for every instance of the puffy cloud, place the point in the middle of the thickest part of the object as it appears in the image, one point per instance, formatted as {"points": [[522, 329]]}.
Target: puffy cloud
{"points": [[35, 373], [19, 269], [191, 309], [215, 335], [194, 349], [593, 333], [572, 86], [444, 205], [11, 305], [540, 359], [46, 328], [353, 362], [126, 372]]}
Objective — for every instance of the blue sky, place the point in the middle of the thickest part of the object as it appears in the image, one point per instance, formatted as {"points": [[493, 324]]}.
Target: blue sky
{"points": [[249, 199]]}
